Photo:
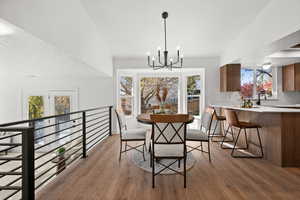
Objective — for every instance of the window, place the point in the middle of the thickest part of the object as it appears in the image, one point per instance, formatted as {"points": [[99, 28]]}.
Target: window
{"points": [[264, 80], [126, 91], [62, 105], [247, 82], [193, 94], [156, 93], [256, 80]]}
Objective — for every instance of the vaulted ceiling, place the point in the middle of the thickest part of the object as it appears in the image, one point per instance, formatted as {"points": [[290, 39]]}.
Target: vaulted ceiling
{"points": [[200, 27], [95, 31]]}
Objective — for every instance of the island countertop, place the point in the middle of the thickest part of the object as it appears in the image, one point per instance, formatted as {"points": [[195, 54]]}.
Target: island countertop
{"points": [[261, 109]]}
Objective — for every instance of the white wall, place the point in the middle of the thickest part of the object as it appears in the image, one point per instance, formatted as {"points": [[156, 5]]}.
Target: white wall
{"points": [[92, 92], [210, 64], [22, 56]]}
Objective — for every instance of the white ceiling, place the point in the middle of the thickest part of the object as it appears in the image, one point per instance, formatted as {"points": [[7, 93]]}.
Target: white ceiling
{"points": [[200, 27], [72, 35], [23, 55]]}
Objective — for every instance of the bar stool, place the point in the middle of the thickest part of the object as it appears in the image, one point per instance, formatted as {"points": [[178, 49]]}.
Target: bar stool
{"points": [[220, 120], [233, 121]]}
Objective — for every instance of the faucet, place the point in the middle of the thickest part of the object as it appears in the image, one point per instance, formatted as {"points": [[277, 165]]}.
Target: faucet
{"points": [[262, 92]]}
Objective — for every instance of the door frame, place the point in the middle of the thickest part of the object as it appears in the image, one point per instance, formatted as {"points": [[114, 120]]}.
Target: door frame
{"points": [[46, 93]]}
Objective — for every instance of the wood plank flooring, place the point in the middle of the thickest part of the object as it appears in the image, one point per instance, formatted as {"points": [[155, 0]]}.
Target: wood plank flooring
{"points": [[101, 176]]}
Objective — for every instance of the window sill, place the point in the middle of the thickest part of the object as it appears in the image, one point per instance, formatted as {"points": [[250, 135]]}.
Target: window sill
{"points": [[269, 99]]}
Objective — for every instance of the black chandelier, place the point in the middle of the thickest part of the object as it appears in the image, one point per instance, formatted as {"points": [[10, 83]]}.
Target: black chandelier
{"points": [[167, 63]]}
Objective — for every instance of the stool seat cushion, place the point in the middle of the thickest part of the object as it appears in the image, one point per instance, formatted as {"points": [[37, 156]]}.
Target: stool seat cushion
{"points": [[221, 118], [248, 125]]}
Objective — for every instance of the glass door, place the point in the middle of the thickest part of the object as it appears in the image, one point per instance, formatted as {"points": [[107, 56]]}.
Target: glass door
{"points": [[40, 104], [61, 103], [37, 106], [193, 98]]}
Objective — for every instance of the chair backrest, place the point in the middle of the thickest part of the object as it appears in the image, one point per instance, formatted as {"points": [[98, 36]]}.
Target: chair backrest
{"points": [[169, 129], [231, 117], [206, 118], [121, 121]]}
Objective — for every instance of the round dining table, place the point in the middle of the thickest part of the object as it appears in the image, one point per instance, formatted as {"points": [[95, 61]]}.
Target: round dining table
{"points": [[145, 119]]}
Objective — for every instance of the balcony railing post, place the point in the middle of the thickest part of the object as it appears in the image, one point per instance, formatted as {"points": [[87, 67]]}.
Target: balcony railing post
{"points": [[84, 134], [110, 121], [28, 164]]}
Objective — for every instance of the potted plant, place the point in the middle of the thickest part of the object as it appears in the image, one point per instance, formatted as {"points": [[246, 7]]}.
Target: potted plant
{"points": [[61, 163], [61, 152]]}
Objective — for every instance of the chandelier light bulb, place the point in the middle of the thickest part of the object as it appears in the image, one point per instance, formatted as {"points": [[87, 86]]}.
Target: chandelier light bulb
{"points": [[153, 58], [158, 48], [148, 53], [171, 59], [178, 48]]}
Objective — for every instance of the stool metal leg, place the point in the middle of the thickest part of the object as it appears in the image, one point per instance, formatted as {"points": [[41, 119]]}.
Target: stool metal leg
{"points": [[260, 144], [234, 147], [214, 132], [217, 121], [224, 137], [247, 145]]}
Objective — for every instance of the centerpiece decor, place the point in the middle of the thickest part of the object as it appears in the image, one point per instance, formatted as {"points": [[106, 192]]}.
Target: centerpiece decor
{"points": [[161, 99]]}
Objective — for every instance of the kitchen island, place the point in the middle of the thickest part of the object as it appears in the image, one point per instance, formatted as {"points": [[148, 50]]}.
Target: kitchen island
{"points": [[280, 132]]}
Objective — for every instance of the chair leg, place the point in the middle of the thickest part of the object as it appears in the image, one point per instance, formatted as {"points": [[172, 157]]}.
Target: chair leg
{"points": [[201, 146], [144, 146], [260, 144], [153, 171], [178, 163], [184, 170], [151, 162], [235, 143], [120, 150], [149, 147], [126, 146], [208, 146]]}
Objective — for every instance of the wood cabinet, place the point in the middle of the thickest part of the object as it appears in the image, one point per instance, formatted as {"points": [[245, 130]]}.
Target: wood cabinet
{"points": [[230, 78], [291, 77]]}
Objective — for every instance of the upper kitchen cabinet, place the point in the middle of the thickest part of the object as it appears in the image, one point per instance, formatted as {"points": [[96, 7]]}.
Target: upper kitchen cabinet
{"points": [[230, 78], [291, 77]]}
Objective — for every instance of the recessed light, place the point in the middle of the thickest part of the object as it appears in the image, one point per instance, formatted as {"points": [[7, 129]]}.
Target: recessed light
{"points": [[32, 76], [5, 29]]}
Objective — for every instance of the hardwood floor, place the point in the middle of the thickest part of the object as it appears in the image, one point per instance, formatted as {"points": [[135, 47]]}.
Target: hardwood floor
{"points": [[101, 176]]}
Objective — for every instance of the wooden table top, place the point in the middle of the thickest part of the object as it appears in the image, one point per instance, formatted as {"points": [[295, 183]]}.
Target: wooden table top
{"points": [[145, 119]]}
